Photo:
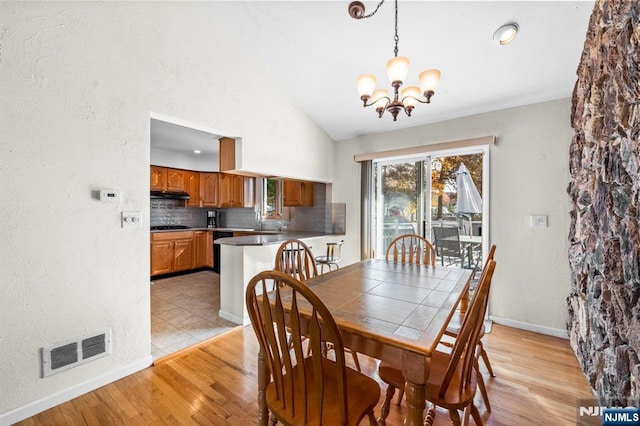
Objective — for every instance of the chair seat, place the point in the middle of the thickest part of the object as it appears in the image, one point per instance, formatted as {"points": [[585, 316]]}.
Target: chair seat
{"points": [[453, 328], [364, 394], [454, 397]]}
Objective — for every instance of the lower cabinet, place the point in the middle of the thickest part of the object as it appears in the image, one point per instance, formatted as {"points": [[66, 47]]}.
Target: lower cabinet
{"points": [[204, 249], [180, 251]]}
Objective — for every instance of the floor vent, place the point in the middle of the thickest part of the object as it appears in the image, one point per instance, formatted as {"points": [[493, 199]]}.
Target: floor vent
{"points": [[71, 353]]}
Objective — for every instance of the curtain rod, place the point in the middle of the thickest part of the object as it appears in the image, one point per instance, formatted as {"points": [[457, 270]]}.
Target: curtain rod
{"points": [[422, 149]]}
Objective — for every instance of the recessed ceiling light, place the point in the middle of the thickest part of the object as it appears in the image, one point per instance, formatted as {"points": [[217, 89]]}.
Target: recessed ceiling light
{"points": [[505, 34], [196, 151]]}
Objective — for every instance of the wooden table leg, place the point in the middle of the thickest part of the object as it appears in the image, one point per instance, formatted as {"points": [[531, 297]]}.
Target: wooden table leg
{"points": [[415, 402], [263, 381]]}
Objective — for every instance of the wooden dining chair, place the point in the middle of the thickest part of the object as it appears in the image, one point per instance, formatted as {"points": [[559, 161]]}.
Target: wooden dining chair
{"points": [[452, 380], [295, 259], [307, 389], [411, 248], [452, 331]]}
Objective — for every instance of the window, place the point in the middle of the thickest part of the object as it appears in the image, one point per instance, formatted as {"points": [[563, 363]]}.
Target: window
{"points": [[272, 200]]}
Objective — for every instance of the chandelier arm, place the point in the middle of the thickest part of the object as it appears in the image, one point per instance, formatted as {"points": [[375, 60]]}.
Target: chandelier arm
{"points": [[365, 99], [428, 96]]}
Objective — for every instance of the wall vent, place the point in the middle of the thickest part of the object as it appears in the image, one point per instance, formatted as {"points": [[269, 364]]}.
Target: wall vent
{"points": [[62, 356]]}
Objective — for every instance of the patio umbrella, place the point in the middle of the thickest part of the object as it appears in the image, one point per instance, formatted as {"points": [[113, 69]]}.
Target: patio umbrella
{"points": [[469, 200]]}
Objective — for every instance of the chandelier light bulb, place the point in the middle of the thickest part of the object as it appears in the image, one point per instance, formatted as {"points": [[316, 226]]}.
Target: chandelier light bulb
{"points": [[366, 85], [409, 96], [398, 68], [429, 81], [379, 97]]}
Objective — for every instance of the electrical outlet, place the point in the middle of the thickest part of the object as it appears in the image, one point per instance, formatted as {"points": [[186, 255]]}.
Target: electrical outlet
{"points": [[538, 221], [130, 219]]}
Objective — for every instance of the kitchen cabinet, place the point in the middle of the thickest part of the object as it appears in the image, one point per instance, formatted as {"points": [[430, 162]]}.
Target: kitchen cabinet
{"points": [[210, 189], [227, 154], [231, 190], [203, 241], [175, 180], [192, 186], [297, 193], [171, 252], [166, 179], [158, 178]]}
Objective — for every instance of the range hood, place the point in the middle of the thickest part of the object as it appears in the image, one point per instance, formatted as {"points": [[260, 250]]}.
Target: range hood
{"points": [[169, 195]]}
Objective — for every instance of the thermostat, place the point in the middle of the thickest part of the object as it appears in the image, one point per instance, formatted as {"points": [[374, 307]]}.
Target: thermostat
{"points": [[109, 195]]}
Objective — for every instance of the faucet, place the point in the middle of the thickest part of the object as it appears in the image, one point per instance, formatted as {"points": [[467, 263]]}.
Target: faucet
{"points": [[281, 226]]}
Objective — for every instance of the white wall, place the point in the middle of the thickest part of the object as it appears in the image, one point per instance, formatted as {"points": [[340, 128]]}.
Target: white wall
{"points": [[79, 81], [184, 160], [529, 175]]}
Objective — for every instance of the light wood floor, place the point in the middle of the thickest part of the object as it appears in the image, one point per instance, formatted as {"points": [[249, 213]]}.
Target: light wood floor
{"points": [[538, 382]]}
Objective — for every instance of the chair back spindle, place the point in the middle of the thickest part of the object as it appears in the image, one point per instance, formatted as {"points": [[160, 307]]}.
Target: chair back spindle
{"points": [[470, 332], [410, 248], [292, 368], [295, 258]]}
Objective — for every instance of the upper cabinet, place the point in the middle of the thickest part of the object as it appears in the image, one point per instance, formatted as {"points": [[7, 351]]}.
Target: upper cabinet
{"points": [[158, 178], [175, 180], [192, 187], [210, 189], [296, 193], [166, 179], [227, 154], [231, 190]]}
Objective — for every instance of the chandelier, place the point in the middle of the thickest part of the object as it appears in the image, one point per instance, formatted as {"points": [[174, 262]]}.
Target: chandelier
{"points": [[397, 70]]}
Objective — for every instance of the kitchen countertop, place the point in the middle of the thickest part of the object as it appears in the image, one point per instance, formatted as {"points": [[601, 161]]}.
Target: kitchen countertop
{"points": [[262, 239], [204, 228]]}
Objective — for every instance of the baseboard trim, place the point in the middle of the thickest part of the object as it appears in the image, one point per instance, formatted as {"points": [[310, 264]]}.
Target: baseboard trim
{"points": [[233, 318], [557, 332], [50, 401]]}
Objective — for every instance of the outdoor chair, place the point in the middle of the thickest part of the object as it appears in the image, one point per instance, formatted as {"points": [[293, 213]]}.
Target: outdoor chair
{"points": [[447, 243], [305, 389], [452, 380], [411, 248]]}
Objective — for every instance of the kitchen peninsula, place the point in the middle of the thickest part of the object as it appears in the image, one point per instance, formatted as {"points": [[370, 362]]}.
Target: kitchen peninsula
{"points": [[243, 257]]}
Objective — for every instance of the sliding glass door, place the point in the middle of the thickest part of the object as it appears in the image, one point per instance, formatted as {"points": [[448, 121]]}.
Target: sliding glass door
{"points": [[398, 201], [414, 195]]}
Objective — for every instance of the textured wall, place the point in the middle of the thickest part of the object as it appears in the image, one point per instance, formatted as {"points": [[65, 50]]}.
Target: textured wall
{"points": [[604, 323], [78, 84], [528, 175]]}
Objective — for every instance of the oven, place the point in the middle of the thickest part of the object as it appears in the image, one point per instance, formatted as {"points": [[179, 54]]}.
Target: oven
{"points": [[216, 248]]}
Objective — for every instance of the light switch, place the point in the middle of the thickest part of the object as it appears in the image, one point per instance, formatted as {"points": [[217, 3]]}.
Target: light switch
{"points": [[131, 219], [538, 220]]}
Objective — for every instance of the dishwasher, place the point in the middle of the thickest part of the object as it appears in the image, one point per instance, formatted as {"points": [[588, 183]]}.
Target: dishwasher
{"points": [[216, 248]]}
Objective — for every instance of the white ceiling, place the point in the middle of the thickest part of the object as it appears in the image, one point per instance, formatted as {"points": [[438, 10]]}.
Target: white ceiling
{"points": [[314, 51]]}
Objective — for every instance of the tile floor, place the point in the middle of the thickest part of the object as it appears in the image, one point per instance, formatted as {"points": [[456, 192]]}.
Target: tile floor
{"points": [[184, 311]]}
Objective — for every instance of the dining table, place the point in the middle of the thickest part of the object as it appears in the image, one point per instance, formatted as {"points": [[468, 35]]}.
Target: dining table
{"points": [[393, 312]]}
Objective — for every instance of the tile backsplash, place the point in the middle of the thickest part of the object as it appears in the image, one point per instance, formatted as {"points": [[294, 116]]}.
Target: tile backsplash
{"points": [[323, 217], [174, 212]]}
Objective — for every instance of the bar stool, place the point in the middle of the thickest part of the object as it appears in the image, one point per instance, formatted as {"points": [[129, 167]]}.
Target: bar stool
{"points": [[332, 257]]}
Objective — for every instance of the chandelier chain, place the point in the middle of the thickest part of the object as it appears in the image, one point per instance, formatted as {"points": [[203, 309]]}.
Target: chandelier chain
{"points": [[396, 38], [374, 12]]}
